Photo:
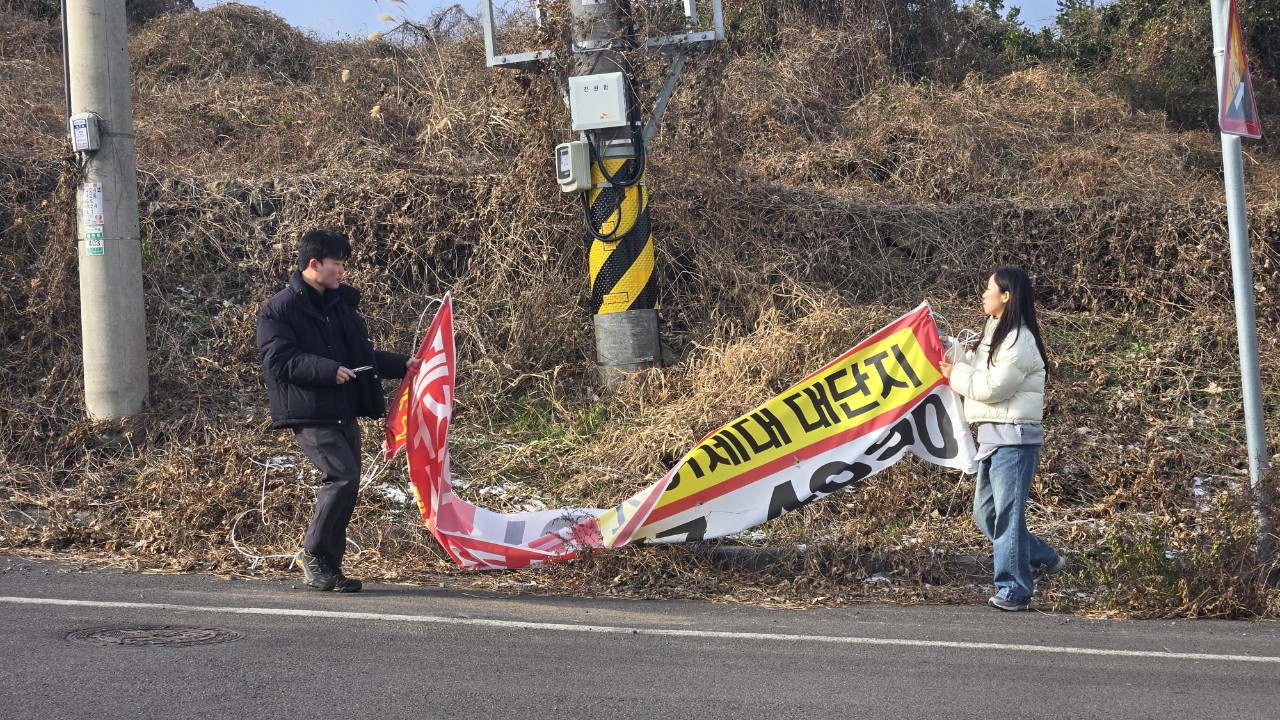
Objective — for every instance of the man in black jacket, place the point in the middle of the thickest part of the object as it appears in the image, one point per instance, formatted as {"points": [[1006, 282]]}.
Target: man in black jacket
{"points": [[322, 373]]}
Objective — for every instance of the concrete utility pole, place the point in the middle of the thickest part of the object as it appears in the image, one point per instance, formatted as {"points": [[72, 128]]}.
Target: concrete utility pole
{"points": [[624, 291], [112, 312]]}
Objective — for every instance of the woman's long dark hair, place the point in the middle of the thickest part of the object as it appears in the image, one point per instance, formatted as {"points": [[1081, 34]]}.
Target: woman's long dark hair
{"points": [[1019, 311]]}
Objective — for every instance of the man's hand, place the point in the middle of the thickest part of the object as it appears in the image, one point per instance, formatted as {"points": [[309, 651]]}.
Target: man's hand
{"points": [[345, 374], [414, 364], [945, 367]]}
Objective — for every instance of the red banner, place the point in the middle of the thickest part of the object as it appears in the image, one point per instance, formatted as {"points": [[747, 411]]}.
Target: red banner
{"points": [[396, 428]]}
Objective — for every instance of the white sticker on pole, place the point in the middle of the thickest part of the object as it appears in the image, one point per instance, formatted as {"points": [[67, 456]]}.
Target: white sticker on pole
{"points": [[94, 217], [91, 206]]}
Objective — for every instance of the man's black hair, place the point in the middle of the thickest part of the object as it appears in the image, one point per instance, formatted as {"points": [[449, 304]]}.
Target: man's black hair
{"points": [[322, 245]]}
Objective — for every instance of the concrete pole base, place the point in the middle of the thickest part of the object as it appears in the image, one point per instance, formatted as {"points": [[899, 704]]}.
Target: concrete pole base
{"points": [[626, 342]]}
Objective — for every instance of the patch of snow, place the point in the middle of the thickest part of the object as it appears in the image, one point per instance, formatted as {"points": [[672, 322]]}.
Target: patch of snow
{"points": [[394, 493], [283, 462]]}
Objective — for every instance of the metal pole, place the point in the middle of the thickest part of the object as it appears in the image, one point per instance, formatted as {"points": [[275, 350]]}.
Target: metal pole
{"points": [[624, 290], [112, 312], [1241, 270]]}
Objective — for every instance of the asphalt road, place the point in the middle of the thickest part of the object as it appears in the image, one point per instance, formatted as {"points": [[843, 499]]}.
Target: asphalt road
{"points": [[410, 652]]}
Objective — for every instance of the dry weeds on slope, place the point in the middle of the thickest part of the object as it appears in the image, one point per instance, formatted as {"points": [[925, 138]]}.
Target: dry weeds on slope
{"points": [[789, 224]]}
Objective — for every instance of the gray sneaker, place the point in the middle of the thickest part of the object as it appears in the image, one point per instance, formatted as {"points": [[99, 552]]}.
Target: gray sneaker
{"points": [[344, 584], [1000, 603], [315, 571], [1053, 568]]}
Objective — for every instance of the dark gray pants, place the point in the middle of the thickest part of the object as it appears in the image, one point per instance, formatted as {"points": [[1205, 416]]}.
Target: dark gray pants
{"points": [[335, 451]]}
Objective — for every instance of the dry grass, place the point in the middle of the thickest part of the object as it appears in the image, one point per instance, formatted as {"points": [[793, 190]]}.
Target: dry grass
{"points": [[789, 223]]}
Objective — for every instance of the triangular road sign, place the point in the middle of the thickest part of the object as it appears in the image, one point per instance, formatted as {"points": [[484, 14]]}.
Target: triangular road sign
{"points": [[1237, 112]]}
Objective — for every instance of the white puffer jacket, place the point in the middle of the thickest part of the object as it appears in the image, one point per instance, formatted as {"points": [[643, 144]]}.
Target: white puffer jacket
{"points": [[1009, 391]]}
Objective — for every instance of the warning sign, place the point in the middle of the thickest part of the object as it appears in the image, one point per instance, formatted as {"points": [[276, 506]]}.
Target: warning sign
{"points": [[1237, 112]]}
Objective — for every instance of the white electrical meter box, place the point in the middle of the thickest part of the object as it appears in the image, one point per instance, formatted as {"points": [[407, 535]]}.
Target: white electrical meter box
{"points": [[84, 132], [598, 101], [573, 166]]}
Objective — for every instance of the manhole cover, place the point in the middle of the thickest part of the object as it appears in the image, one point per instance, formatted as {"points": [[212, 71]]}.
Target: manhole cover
{"points": [[150, 635]]}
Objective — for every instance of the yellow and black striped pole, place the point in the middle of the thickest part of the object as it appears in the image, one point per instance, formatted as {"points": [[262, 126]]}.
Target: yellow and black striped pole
{"points": [[620, 260]]}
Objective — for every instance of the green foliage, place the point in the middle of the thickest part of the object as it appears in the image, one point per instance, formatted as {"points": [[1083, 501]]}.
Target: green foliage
{"points": [[1081, 39], [1156, 53], [1260, 22], [543, 420], [1200, 564], [916, 38], [990, 43], [1159, 53], [1129, 564]]}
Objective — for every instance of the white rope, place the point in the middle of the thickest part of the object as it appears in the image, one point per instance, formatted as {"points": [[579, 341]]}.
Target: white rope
{"points": [[417, 331], [958, 341], [376, 469], [262, 512]]}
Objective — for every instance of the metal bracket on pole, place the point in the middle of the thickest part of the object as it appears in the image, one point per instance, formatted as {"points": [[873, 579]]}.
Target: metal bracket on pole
{"points": [[660, 105], [533, 60], [696, 40]]}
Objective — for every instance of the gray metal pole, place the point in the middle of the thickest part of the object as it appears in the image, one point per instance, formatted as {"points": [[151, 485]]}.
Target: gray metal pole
{"points": [[1241, 269], [626, 340], [112, 312]]}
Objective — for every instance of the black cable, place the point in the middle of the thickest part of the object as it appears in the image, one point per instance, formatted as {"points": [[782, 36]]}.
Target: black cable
{"points": [[66, 65], [591, 228], [637, 144]]}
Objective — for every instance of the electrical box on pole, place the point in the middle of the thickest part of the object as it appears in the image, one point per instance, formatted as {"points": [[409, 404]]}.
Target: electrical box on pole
{"points": [[84, 133], [573, 166], [598, 101]]}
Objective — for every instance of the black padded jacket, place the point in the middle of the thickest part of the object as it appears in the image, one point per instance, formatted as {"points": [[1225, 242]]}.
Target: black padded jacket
{"points": [[301, 351]]}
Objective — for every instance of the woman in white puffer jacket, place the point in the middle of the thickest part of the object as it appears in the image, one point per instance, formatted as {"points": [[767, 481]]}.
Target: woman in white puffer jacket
{"points": [[1003, 392]]}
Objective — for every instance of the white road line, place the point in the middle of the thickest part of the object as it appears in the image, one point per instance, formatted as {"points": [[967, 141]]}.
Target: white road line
{"points": [[622, 630]]}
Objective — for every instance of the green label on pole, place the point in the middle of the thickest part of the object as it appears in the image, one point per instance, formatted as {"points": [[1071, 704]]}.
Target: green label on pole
{"points": [[93, 244]]}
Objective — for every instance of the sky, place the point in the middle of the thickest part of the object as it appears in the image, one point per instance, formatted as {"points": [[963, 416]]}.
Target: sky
{"points": [[358, 18]]}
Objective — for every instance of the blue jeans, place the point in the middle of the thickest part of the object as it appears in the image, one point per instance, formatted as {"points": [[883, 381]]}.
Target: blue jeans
{"points": [[1000, 509]]}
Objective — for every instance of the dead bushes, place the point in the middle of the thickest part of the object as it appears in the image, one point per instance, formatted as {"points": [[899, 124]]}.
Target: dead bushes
{"points": [[789, 223]]}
